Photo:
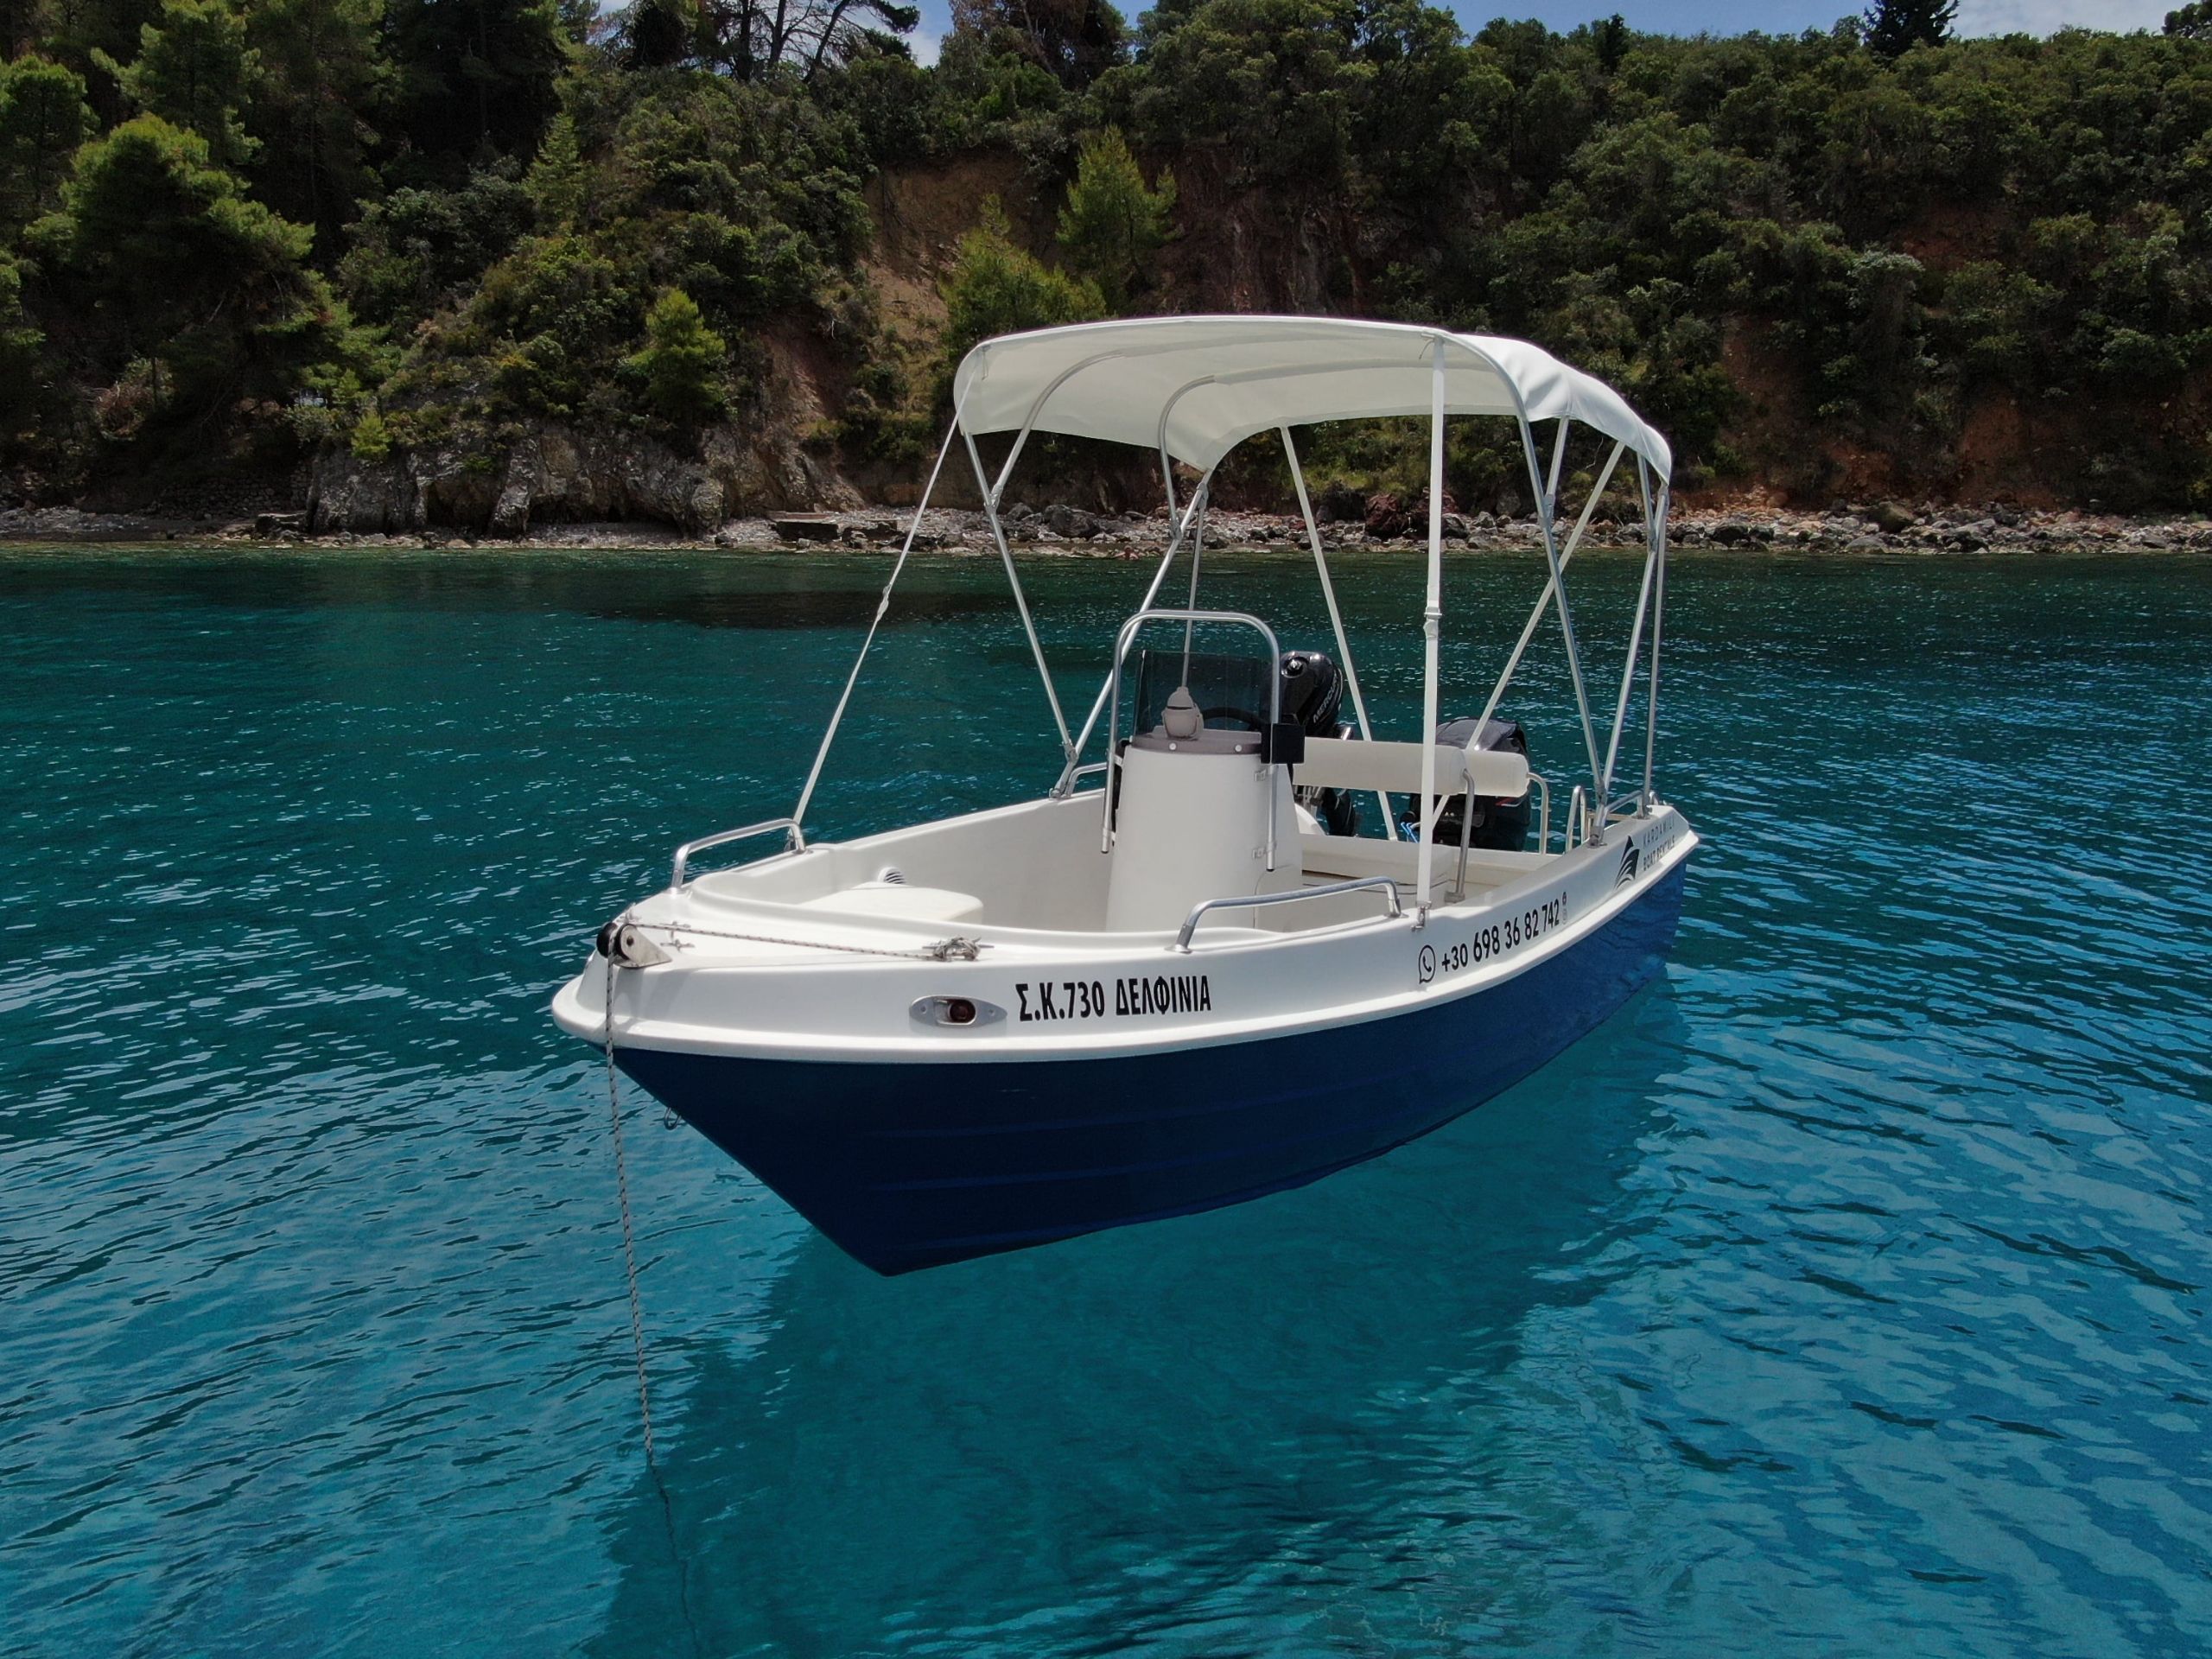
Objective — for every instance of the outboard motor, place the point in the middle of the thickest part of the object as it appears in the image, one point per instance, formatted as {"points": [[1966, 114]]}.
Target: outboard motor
{"points": [[1496, 825], [1312, 697]]}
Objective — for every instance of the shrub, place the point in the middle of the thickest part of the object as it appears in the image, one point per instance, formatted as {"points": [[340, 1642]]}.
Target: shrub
{"points": [[682, 361], [996, 288]]}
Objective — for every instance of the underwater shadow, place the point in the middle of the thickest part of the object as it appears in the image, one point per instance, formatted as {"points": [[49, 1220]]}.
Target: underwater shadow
{"points": [[1062, 1449]]}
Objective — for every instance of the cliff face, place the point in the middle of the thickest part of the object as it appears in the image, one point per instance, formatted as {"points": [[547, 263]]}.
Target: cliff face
{"points": [[553, 475], [1237, 248]]}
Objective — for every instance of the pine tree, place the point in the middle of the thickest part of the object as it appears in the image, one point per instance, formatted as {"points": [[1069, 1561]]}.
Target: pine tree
{"points": [[556, 180], [1894, 27], [182, 269], [324, 81], [1112, 223], [683, 360], [195, 71], [42, 120]]}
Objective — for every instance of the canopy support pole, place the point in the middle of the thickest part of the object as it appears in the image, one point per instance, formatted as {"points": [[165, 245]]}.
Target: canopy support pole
{"points": [[1536, 616], [1066, 786], [1021, 600], [882, 605], [1198, 552], [992, 491], [1627, 672], [1559, 461], [1566, 617], [1432, 628], [1655, 526], [1336, 617]]}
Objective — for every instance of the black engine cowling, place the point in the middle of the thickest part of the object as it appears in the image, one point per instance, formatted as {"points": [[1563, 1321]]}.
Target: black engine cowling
{"points": [[1312, 698], [1496, 825]]}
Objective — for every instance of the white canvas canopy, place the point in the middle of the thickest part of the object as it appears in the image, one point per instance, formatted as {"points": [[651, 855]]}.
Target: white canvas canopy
{"points": [[1191, 389], [1197, 386]]}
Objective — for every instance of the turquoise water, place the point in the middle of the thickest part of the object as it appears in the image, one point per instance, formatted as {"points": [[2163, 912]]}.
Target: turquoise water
{"points": [[1845, 1294]]}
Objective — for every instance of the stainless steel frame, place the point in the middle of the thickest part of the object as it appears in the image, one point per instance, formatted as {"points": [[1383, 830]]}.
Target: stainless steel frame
{"points": [[1190, 618], [1359, 884], [794, 843], [1544, 481]]}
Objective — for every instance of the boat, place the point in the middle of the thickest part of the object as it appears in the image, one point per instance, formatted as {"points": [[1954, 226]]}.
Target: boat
{"points": [[1240, 941]]}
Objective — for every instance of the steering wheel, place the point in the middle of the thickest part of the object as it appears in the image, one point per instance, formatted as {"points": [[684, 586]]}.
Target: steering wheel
{"points": [[1230, 711]]}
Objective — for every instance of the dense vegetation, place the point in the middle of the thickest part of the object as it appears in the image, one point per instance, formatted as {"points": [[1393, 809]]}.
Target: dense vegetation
{"points": [[234, 232]]}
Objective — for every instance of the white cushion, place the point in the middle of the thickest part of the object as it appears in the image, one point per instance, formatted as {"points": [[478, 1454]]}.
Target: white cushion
{"points": [[897, 899], [1355, 763]]}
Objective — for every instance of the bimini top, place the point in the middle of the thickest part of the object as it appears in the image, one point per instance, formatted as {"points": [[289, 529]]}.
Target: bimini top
{"points": [[1198, 387]]}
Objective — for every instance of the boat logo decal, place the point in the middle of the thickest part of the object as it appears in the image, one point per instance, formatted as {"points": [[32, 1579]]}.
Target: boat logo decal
{"points": [[1645, 850], [1428, 963], [1088, 999]]}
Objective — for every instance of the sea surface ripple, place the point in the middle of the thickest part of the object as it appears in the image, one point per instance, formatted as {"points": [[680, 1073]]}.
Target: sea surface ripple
{"points": [[1844, 1295]]}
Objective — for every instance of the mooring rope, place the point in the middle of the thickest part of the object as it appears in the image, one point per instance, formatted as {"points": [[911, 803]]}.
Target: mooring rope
{"points": [[629, 1237], [637, 1309]]}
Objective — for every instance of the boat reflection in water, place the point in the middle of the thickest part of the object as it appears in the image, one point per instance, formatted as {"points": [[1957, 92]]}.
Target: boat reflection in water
{"points": [[1196, 1425]]}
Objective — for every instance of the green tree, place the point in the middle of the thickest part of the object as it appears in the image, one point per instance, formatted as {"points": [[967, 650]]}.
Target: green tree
{"points": [[1075, 40], [1276, 80], [20, 340], [997, 288], [195, 71], [682, 361], [323, 86], [753, 40], [556, 177], [1113, 224], [43, 118], [182, 269], [416, 250], [1894, 27], [475, 78], [2192, 22]]}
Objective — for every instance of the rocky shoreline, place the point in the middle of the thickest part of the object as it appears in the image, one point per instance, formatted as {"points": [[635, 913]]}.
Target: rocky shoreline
{"points": [[1879, 528]]}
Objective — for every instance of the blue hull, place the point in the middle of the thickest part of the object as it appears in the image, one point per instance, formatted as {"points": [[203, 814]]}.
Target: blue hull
{"points": [[907, 1166]]}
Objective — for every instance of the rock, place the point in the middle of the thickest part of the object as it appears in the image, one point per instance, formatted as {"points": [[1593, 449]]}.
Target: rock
{"points": [[1339, 504], [805, 526], [511, 512], [1892, 518], [1865, 544], [1384, 517], [1073, 522], [1729, 533], [279, 524]]}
